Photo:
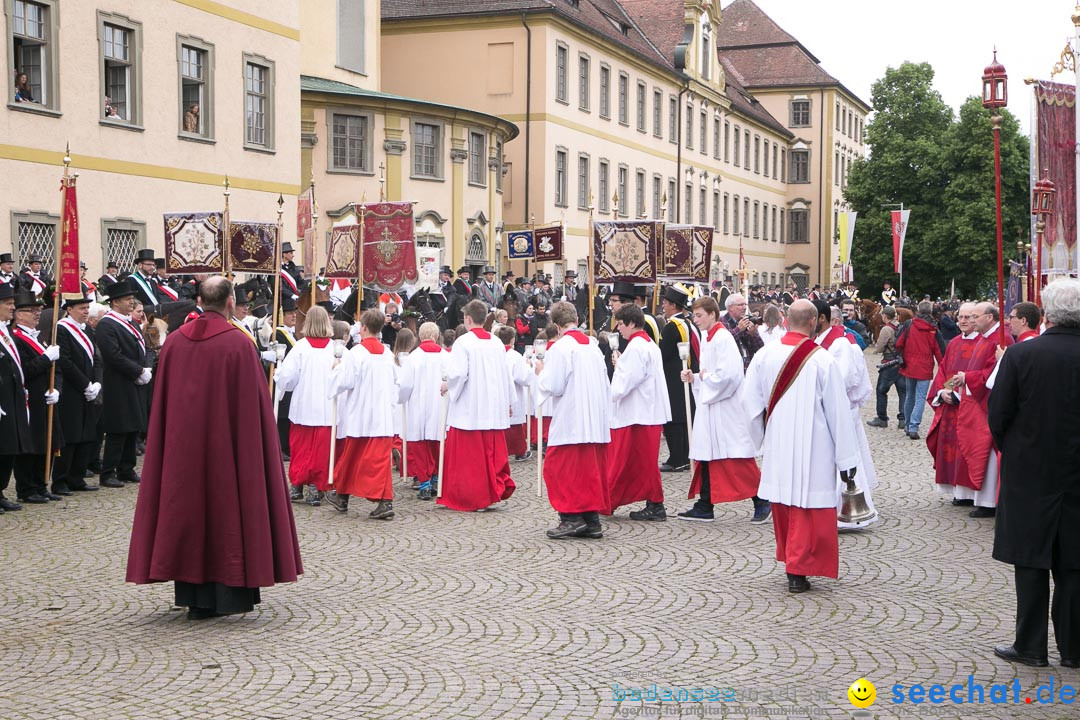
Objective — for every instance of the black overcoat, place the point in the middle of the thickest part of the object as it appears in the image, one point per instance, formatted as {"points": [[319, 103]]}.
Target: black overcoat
{"points": [[36, 367], [123, 360], [1034, 420], [78, 418], [670, 337], [14, 428]]}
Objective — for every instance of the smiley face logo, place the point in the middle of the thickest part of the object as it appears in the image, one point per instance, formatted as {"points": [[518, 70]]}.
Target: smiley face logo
{"points": [[862, 693]]}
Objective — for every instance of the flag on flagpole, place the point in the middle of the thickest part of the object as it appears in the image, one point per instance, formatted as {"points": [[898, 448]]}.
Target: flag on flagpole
{"points": [[899, 230], [68, 280], [847, 234]]}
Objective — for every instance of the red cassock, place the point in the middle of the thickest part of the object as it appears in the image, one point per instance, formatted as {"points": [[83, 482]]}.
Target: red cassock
{"points": [[576, 478], [806, 540], [213, 505], [950, 467], [423, 459], [309, 456], [481, 470], [730, 480], [547, 427], [515, 440], [632, 474], [362, 467]]}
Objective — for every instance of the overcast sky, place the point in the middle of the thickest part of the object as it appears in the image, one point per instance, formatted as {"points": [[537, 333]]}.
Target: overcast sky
{"points": [[957, 38]]}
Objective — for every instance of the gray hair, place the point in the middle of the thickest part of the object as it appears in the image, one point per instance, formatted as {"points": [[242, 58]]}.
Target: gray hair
{"points": [[732, 299], [97, 309], [1061, 302], [835, 314], [924, 308]]}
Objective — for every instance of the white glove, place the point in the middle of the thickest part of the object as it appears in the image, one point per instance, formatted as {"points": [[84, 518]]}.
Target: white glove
{"points": [[91, 392], [52, 352], [269, 356], [354, 331], [145, 376], [52, 396]]}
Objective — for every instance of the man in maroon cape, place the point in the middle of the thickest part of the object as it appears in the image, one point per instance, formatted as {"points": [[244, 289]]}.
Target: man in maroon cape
{"points": [[950, 468], [213, 512]]}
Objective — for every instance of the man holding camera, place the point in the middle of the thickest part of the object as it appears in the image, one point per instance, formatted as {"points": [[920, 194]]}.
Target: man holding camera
{"points": [[888, 371], [392, 325], [742, 327]]}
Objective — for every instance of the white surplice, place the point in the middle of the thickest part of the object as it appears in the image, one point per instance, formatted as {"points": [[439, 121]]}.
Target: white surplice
{"points": [[574, 381], [366, 390], [306, 372], [522, 376], [809, 436], [419, 380], [638, 390], [721, 425], [479, 385]]}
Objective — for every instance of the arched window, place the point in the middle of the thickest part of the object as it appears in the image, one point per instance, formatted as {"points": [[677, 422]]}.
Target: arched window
{"points": [[475, 251], [707, 50]]}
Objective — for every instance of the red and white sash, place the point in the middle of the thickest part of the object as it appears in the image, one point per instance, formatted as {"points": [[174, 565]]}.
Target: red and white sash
{"points": [[39, 284], [126, 324], [168, 291], [288, 280], [9, 345], [28, 339], [80, 337]]}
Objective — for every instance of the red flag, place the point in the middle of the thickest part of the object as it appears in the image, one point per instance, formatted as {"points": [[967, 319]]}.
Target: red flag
{"points": [[68, 279], [389, 253], [899, 230]]}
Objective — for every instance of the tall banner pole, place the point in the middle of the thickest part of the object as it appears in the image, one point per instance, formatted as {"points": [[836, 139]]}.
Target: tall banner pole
{"points": [[656, 284], [226, 265], [995, 123], [360, 261], [313, 270], [68, 181], [592, 273], [276, 310]]}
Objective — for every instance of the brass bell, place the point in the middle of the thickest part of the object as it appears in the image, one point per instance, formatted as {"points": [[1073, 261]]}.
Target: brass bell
{"points": [[853, 510]]}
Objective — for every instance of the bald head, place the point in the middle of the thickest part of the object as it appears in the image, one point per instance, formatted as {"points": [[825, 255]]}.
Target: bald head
{"points": [[802, 317], [986, 314], [215, 293]]}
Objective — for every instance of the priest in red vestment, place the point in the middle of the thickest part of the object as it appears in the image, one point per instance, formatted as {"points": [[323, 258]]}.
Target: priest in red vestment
{"points": [[213, 513], [950, 469]]}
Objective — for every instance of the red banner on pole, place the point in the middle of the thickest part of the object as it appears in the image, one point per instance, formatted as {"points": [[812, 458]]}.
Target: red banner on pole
{"points": [[389, 245], [899, 231], [68, 280]]}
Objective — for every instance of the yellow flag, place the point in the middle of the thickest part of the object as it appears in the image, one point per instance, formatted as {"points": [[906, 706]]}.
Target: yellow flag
{"points": [[846, 230]]}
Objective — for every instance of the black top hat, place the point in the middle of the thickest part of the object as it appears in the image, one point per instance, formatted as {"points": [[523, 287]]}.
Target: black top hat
{"points": [[7, 291], [82, 265], [144, 255], [446, 269], [642, 291], [159, 263], [286, 247], [112, 266], [6, 257], [242, 297], [288, 304], [675, 296], [463, 269], [26, 298], [488, 269], [623, 289], [119, 289], [72, 299], [33, 258], [570, 274]]}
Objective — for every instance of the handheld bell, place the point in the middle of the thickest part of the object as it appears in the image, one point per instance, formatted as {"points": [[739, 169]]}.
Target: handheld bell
{"points": [[853, 510]]}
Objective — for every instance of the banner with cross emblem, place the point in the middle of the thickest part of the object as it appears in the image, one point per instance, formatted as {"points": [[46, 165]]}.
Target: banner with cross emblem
{"points": [[389, 244]]}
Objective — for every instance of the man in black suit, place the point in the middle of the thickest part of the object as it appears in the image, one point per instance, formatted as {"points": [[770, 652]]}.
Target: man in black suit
{"points": [[14, 427], [34, 277], [462, 286], [79, 405], [678, 329], [1034, 421], [37, 360], [112, 272], [292, 279], [123, 356], [7, 271], [144, 281]]}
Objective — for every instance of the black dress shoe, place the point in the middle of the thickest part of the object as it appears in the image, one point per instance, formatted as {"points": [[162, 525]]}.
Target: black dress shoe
{"points": [[60, 490], [983, 512], [1067, 663], [668, 467], [1008, 652], [132, 478], [6, 504], [200, 614], [86, 488], [53, 496], [111, 482], [962, 503], [35, 499], [797, 583], [89, 473]]}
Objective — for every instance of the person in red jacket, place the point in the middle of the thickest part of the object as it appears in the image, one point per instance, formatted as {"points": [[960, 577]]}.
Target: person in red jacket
{"points": [[918, 344]]}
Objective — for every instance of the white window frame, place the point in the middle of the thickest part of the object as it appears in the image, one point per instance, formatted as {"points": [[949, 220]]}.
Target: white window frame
{"points": [[623, 94], [133, 102], [206, 100], [268, 65], [603, 185], [622, 187], [479, 162], [440, 148], [562, 73], [332, 166], [561, 182], [605, 91], [792, 110], [49, 58], [584, 75], [583, 175], [642, 106]]}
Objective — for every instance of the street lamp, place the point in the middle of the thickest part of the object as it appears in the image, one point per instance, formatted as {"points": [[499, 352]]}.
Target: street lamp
{"points": [[1042, 206], [995, 96]]}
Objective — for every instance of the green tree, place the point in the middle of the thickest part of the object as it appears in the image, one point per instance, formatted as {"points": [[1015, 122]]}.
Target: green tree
{"points": [[941, 170]]}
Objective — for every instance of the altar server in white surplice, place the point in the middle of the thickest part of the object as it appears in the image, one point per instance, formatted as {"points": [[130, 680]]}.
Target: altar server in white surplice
{"points": [[722, 446], [573, 378], [832, 336], [419, 380], [521, 374], [639, 409], [476, 470], [795, 399]]}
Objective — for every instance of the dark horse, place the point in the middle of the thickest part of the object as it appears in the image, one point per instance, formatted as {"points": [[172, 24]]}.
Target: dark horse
{"points": [[419, 307]]}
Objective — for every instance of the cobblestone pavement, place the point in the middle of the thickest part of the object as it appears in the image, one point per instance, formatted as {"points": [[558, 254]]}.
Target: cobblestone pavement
{"points": [[439, 614]]}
